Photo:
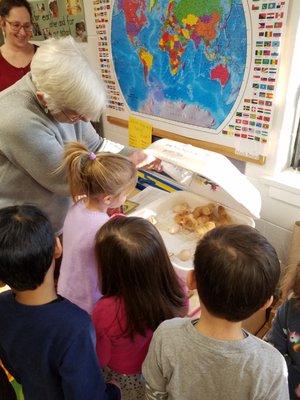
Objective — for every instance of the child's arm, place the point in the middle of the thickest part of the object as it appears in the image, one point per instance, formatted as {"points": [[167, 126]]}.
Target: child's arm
{"points": [[103, 348], [152, 371], [103, 342], [80, 373], [278, 333], [276, 380]]}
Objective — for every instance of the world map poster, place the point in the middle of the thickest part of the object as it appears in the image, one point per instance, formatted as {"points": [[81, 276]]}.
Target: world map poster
{"points": [[193, 66]]}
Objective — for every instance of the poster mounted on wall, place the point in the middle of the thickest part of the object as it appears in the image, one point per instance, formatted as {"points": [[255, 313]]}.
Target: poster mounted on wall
{"points": [[58, 18], [205, 69]]}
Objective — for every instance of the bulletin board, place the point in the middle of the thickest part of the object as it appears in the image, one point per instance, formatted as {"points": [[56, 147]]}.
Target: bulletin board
{"points": [[203, 72], [58, 18]]}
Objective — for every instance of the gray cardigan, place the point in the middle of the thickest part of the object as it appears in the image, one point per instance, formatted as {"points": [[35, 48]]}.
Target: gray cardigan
{"points": [[31, 147]]}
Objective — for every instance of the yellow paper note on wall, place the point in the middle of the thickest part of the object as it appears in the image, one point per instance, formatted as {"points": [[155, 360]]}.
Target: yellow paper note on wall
{"points": [[140, 133]]}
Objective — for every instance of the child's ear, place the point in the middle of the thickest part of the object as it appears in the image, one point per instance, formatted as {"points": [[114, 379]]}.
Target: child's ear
{"points": [[191, 280], [58, 248], [268, 303]]}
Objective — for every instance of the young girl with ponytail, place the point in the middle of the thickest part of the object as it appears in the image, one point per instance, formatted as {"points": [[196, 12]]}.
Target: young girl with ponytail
{"points": [[97, 182]]}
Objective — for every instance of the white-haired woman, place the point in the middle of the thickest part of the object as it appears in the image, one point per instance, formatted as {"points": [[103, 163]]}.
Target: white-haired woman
{"points": [[48, 107]]}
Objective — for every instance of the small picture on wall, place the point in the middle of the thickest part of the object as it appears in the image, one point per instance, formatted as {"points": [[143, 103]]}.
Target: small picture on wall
{"points": [[39, 9], [36, 29], [46, 33], [53, 9], [74, 7], [80, 30]]}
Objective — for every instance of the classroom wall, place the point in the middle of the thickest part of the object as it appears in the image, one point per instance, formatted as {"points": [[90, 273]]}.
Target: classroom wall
{"points": [[280, 192]]}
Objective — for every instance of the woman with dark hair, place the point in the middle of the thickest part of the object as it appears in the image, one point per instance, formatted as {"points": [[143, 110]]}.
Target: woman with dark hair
{"points": [[16, 53]]}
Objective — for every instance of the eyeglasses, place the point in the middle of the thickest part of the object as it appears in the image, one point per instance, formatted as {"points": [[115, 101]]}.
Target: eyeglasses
{"points": [[74, 117], [16, 26]]}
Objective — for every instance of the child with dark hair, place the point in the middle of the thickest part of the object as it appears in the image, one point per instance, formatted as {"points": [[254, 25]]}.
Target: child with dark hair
{"points": [[236, 271], [285, 332], [46, 342], [140, 290]]}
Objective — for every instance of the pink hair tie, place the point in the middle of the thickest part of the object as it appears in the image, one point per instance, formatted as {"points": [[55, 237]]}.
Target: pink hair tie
{"points": [[92, 156]]}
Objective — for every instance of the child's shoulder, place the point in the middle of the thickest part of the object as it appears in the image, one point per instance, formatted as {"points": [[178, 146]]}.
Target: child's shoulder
{"points": [[173, 334], [109, 314], [79, 213], [173, 326], [60, 317], [66, 320], [268, 352], [66, 310], [108, 306]]}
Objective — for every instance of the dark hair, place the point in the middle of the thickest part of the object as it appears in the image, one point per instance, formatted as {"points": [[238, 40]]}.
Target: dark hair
{"points": [[7, 5], [236, 271], [26, 246], [134, 265]]}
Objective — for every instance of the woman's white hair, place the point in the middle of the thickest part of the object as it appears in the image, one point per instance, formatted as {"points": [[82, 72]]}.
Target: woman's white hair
{"points": [[62, 72]]}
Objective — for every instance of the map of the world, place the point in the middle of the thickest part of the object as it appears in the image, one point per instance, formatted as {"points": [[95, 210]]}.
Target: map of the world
{"points": [[181, 60]]}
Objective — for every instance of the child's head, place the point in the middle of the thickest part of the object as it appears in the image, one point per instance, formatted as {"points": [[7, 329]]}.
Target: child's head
{"points": [[98, 175], [27, 246], [236, 271], [134, 264]]}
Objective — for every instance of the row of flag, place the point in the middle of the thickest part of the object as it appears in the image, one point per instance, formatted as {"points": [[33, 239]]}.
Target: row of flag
{"points": [[253, 118]]}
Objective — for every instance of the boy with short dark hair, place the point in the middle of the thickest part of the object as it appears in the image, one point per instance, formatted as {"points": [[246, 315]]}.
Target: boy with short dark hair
{"points": [[46, 342], [236, 271]]}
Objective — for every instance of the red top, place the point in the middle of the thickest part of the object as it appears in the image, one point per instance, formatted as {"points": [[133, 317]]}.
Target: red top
{"points": [[10, 74], [114, 349]]}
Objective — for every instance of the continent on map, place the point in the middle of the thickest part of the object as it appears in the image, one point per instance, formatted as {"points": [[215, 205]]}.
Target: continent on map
{"points": [[171, 110], [220, 73], [146, 59], [174, 45], [134, 12]]}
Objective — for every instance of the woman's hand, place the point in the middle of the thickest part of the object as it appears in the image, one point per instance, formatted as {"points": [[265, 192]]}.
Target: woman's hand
{"points": [[142, 159]]}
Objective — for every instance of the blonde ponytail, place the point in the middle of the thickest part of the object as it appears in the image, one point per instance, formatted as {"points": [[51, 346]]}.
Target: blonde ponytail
{"points": [[92, 174]]}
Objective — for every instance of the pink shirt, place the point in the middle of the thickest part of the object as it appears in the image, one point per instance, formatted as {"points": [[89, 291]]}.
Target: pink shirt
{"points": [[114, 349], [78, 278]]}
